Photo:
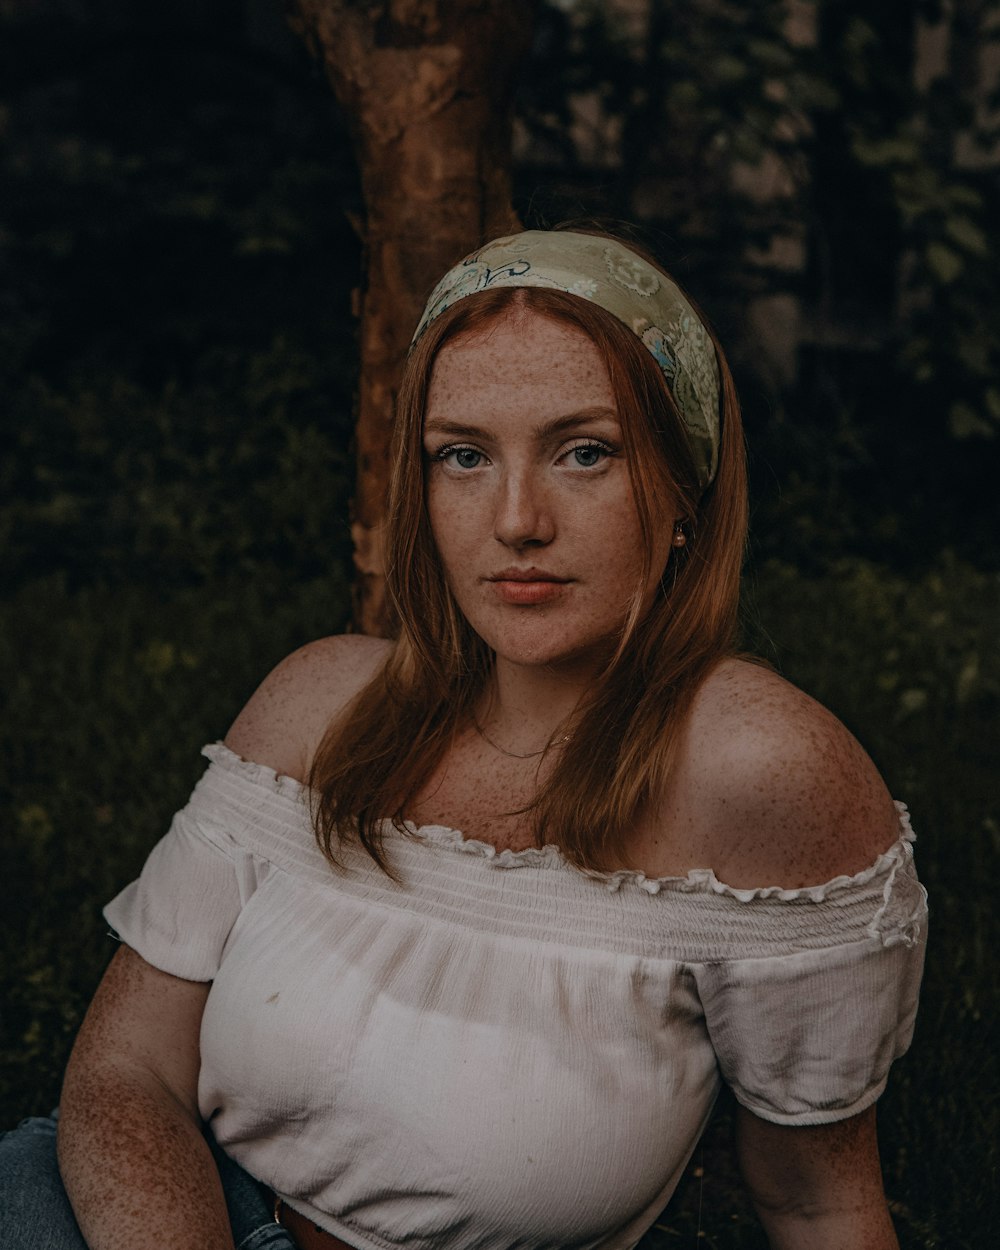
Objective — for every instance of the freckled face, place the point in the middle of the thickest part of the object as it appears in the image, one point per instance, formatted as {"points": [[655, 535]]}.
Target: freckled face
{"points": [[529, 495]]}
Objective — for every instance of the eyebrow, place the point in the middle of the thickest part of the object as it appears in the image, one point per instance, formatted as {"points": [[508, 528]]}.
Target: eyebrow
{"points": [[547, 429]]}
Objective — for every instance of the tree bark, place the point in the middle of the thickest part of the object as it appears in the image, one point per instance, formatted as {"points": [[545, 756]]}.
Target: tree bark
{"points": [[427, 87]]}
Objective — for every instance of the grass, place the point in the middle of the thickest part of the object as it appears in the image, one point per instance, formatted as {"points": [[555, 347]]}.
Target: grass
{"points": [[111, 691]]}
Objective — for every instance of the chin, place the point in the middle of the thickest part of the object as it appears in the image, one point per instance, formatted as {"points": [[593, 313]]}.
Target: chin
{"points": [[542, 637], [550, 653]]}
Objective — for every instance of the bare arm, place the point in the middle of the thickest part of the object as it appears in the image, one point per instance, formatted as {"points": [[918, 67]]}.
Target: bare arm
{"points": [[816, 1188], [787, 797], [135, 1165]]}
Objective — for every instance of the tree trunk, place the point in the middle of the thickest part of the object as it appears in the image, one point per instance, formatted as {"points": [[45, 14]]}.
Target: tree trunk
{"points": [[427, 88]]}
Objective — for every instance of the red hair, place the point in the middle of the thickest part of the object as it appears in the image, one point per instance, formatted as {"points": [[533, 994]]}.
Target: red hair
{"points": [[374, 760]]}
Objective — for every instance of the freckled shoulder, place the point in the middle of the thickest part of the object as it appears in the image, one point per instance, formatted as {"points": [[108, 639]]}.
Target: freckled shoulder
{"points": [[784, 794], [286, 717]]}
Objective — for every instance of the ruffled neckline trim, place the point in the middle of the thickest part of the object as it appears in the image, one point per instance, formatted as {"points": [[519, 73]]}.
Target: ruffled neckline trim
{"points": [[702, 880]]}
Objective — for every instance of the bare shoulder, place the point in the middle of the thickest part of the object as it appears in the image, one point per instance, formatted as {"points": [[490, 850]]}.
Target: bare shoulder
{"points": [[287, 716], [784, 792]]}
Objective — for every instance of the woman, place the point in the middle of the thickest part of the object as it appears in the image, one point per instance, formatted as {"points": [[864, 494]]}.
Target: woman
{"points": [[622, 864]]}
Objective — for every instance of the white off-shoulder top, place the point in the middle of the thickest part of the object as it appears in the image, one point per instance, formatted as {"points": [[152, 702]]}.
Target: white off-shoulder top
{"points": [[501, 1051]]}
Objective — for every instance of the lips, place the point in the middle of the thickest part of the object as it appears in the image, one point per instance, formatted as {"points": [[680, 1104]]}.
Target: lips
{"points": [[526, 587], [525, 575]]}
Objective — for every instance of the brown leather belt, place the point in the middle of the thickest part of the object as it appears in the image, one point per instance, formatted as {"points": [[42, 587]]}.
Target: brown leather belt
{"points": [[307, 1235]]}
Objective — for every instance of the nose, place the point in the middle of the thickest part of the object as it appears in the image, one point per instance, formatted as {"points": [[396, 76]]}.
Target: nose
{"points": [[524, 515]]}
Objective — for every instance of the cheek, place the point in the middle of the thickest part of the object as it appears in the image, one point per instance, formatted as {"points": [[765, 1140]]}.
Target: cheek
{"points": [[450, 529], [457, 509], [620, 531], [625, 550]]}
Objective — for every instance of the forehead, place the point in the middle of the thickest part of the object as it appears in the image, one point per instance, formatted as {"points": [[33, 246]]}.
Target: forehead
{"points": [[523, 360]]}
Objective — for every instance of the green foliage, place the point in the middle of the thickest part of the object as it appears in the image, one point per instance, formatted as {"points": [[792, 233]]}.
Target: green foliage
{"points": [[177, 366], [107, 479], [906, 140], [683, 98]]}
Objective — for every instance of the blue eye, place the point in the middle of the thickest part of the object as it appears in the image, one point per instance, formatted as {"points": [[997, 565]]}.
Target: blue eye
{"points": [[462, 457], [466, 457], [588, 455]]}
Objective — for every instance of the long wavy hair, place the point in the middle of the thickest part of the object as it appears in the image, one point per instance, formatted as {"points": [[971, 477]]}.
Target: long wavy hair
{"points": [[375, 757]]}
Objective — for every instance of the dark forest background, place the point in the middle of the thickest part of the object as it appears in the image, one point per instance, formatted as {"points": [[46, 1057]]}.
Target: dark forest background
{"points": [[179, 244]]}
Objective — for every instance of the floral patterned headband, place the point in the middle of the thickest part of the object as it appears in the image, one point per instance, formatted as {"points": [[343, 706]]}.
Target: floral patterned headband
{"points": [[605, 272]]}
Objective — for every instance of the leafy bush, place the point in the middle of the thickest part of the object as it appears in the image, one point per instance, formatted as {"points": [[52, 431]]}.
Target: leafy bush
{"points": [[112, 482], [177, 357]]}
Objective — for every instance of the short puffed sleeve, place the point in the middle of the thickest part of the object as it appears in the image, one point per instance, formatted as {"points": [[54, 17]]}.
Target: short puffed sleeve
{"points": [[818, 994], [180, 911]]}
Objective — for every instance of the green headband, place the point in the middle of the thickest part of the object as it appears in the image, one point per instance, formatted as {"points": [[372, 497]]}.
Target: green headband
{"points": [[605, 272]]}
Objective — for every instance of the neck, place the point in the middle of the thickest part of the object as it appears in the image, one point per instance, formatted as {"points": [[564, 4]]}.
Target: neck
{"points": [[525, 706]]}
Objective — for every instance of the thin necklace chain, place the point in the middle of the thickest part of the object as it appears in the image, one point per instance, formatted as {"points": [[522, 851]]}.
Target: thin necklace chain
{"points": [[515, 755]]}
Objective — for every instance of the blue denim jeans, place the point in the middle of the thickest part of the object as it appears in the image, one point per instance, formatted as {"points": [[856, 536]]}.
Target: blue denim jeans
{"points": [[35, 1213]]}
